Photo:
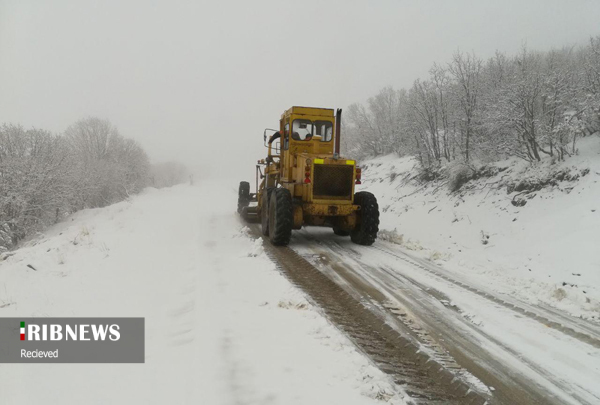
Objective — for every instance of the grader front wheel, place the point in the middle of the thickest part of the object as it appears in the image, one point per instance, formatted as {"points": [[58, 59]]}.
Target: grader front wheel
{"points": [[243, 196]]}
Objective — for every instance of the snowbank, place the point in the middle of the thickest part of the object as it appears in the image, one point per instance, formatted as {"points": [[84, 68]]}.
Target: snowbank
{"points": [[540, 245]]}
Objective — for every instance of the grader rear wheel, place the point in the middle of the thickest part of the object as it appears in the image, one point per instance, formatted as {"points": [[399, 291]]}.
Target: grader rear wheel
{"points": [[340, 232], [264, 211], [281, 217], [367, 224]]}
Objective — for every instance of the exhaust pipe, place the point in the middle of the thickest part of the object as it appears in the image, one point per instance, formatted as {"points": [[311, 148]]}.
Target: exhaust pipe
{"points": [[338, 131]]}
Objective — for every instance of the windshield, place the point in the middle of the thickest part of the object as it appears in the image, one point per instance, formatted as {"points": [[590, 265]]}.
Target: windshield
{"points": [[306, 130]]}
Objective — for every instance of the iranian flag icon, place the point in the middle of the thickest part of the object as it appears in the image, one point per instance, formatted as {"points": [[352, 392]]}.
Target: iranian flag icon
{"points": [[22, 330]]}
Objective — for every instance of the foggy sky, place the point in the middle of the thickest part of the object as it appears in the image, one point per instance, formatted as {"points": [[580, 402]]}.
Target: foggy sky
{"points": [[199, 81]]}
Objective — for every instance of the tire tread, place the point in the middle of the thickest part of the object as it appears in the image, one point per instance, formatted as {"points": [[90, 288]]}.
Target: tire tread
{"points": [[281, 202], [367, 227]]}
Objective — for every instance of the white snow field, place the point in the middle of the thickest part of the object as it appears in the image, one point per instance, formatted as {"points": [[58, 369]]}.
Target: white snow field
{"points": [[223, 326], [545, 252], [460, 264]]}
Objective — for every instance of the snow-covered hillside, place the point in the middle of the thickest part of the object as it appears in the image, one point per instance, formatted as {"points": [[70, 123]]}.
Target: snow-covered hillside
{"points": [[541, 245], [223, 326]]}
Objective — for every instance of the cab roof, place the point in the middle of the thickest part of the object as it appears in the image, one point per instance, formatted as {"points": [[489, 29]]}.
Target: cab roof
{"points": [[313, 111]]}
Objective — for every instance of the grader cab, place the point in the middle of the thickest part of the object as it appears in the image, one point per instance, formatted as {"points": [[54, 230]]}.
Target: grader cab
{"points": [[304, 181]]}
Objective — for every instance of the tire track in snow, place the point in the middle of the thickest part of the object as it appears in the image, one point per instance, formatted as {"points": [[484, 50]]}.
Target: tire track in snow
{"points": [[511, 386], [423, 378], [590, 336]]}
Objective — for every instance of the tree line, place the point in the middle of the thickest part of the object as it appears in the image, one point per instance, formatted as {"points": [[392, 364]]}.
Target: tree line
{"points": [[468, 110], [45, 177]]}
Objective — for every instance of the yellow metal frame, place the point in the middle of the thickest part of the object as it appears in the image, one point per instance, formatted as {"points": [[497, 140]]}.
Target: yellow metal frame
{"points": [[289, 169]]}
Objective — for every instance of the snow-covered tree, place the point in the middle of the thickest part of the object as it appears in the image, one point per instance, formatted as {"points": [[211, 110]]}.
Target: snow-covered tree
{"points": [[44, 177], [531, 105], [109, 166], [466, 72]]}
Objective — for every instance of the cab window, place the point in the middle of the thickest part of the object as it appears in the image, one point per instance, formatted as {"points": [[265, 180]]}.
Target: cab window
{"points": [[306, 130], [323, 130], [302, 130]]}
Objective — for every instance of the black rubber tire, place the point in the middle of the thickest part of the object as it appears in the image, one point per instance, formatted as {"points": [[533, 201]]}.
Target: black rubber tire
{"points": [[367, 221], [281, 217], [243, 196], [264, 213], [340, 232]]}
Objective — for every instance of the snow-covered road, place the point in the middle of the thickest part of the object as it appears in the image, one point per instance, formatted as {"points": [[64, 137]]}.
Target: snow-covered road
{"points": [[222, 325], [525, 353]]}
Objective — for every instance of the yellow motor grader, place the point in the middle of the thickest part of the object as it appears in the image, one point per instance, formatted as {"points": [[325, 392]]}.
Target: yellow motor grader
{"points": [[306, 182]]}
